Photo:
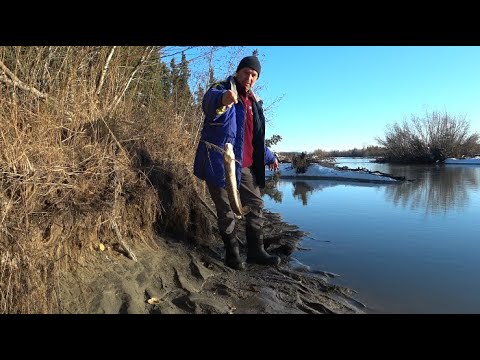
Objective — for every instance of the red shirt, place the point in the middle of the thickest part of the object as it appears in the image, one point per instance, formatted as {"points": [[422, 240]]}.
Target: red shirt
{"points": [[248, 135]]}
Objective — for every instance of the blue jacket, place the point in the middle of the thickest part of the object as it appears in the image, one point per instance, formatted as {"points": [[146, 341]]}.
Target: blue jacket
{"points": [[222, 125]]}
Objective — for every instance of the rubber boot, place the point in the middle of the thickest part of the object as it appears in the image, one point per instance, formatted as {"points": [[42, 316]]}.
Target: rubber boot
{"points": [[256, 253], [232, 254]]}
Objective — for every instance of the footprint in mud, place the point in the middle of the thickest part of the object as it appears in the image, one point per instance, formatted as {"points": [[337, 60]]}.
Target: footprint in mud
{"points": [[194, 277], [199, 304], [111, 301], [200, 270], [322, 309]]}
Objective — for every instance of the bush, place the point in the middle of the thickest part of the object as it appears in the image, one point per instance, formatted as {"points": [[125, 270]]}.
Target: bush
{"points": [[72, 119], [432, 138]]}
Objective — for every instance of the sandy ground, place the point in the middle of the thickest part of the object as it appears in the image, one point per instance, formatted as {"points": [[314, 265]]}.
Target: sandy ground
{"points": [[178, 278]]}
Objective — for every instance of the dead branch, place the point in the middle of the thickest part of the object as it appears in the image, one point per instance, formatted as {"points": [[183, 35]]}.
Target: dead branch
{"points": [[210, 145], [129, 251], [11, 79], [104, 71], [207, 206]]}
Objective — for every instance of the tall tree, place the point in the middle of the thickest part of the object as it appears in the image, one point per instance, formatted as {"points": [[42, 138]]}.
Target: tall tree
{"points": [[199, 93], [211, 76], [165, 81], [174, 76], [183, 78], [155, 83]]}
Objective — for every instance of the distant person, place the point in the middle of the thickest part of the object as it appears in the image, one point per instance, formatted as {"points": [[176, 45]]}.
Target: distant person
{"points": [[234, 114]]}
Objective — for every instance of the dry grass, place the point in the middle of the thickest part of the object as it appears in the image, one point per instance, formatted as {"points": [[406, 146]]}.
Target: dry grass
{"points": [[71, 122]]}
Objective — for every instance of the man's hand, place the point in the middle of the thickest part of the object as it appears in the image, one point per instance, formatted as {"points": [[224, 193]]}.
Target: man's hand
{"points": [[274, 165], [229, 98]]}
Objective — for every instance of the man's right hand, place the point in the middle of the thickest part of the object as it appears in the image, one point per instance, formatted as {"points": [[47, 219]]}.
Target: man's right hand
{"points": [[229, 98]]}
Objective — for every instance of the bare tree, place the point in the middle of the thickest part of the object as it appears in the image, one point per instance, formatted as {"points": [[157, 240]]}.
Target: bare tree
{"points": [[431, 138]]}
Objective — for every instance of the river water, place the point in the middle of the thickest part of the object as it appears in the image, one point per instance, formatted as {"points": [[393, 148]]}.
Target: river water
{"points": [[412, 247]]}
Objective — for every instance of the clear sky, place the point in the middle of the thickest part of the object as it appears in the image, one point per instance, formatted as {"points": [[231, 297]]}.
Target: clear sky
{"points": [[338, 98]]}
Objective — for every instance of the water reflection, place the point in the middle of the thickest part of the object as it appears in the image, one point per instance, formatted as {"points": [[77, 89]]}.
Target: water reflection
{"points": [[382, 243], [437, 189], [271, 189], [303, 189]]}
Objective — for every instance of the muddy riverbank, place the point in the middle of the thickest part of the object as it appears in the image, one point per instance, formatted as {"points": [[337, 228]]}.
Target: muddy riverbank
{"points": [[175, 277]]}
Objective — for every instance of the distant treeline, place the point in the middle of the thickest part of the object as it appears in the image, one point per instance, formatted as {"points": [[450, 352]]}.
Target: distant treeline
{"points": [[428, 139], [369, 151]]}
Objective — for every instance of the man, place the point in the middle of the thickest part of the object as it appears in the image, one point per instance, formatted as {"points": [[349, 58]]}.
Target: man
{"points": [[234, 114]]}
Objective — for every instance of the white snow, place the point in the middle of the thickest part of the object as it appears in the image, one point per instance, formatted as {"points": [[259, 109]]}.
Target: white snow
{"points": [[316, 171], [467, 161]]}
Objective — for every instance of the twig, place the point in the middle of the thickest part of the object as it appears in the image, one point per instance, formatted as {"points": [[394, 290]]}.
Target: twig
{"points": [[207, 206], [15, 81], [216, 148], [124, 244], [104, 71]]}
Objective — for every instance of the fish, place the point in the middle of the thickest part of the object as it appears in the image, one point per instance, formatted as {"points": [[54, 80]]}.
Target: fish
{"points": [[231, 181]]}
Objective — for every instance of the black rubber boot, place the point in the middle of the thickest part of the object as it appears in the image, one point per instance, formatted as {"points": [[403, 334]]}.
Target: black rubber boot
{"points": [[256, 253], [232, 255]]}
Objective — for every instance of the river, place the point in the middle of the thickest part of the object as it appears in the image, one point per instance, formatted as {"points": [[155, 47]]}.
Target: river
{"points": [[412, 247]]}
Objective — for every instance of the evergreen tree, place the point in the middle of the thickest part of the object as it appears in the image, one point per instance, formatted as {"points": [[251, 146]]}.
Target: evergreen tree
{"points": [[199, 93], [174, 77], [211, 77], [183, 77], [165, 81], [156, 84]]}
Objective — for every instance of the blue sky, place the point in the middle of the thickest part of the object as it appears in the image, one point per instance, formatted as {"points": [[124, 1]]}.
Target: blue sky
{"points": [[338, 98]]}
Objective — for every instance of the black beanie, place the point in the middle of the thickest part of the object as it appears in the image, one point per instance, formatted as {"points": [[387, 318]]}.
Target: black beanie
{"points": [[250, 62]]}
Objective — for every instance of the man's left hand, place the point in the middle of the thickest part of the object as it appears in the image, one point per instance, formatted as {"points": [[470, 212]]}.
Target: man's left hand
{"points": [[273, 166]]}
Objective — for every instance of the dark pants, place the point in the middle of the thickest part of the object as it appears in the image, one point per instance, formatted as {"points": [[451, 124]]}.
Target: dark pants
{"points": [[249, 196]]}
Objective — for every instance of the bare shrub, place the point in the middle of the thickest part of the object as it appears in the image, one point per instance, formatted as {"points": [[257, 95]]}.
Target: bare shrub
{"points": [[432, 138]]}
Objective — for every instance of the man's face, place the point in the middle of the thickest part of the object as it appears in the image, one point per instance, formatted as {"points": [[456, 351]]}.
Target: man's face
{"points": [[247, 77]]}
